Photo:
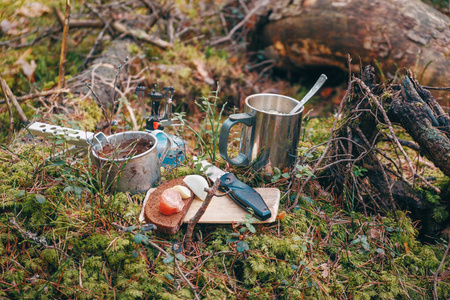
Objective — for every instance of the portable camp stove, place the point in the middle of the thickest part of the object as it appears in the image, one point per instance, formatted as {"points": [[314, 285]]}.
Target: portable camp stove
{"points": [[156, 123]]}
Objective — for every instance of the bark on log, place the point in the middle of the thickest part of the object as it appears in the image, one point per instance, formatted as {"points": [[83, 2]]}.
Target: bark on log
{"points": [[105, 66], [364, 123], [428, 125], [395, 33]]}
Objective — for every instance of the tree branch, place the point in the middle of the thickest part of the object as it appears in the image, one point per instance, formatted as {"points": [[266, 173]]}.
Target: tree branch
{"points": [[193, 221], [62, 58]]}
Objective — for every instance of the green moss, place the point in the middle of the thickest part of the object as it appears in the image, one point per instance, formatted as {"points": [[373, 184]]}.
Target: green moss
{"points": [[92, 114], [96, 243], [310, 253]]}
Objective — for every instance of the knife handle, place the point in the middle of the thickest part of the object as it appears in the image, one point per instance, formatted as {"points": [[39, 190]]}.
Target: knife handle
{"points": [[245, 196]]}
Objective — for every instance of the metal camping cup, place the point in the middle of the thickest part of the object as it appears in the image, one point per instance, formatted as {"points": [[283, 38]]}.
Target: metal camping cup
{"points": [[136, 174], [271, 134]]}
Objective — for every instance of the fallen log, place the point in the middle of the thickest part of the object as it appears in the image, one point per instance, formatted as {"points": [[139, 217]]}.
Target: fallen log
{"points": [[103, 67], [425, 121], [379, 181], [393, 34]]}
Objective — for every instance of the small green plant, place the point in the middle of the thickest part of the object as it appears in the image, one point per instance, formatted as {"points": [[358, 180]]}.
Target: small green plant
{"points": [[358, 171], [362, 240], [242, 233], [302, 171], [208, 135], [277, 175], [175, 253]]}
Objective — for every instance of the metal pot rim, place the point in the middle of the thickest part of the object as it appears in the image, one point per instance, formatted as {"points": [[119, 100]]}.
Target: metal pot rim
{"points": [[155, 140], [275, 95]]}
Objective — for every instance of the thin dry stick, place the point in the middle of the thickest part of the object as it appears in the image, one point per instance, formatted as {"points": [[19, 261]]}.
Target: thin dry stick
{"points": [[385, 177], [193, 288], [8, 93], [435, 296], [327, 147], [193, 221], [123, 228], [11, 117], [97, 40], [62, 58], [113, 100], [33, 236], [242, 23], [391, 130], [437, 88], [105, 114], [37, 95], [202, 263], [123, 95]]}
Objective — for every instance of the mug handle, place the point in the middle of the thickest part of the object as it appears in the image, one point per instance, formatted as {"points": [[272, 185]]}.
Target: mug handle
{"points": [[168, 145], [241, 159]]}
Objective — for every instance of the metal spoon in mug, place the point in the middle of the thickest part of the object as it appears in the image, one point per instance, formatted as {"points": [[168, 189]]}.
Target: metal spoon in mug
{"points": [[311, 93]]}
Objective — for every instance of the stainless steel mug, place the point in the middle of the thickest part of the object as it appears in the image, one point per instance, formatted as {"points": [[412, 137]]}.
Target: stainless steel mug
{"points": [[135, 174], [270, 137]]}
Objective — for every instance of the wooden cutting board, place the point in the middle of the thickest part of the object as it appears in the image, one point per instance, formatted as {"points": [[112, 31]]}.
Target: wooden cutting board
{"points": [[223, 210]]}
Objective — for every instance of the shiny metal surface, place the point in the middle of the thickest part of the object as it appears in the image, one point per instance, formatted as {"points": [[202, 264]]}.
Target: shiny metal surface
{"points": [[272, 139], [137, 174]]}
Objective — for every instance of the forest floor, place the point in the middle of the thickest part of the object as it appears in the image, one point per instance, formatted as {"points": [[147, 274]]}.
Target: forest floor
{"points": [[63, 235]]}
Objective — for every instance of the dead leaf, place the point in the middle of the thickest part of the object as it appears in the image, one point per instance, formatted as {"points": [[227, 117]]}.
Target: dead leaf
{"points": [[33, 10], [203, 72], [6, 25], [326, 270], [10, 28], [281, 215], [375, 233], [445, 274], [28, 68], [405, 244]]}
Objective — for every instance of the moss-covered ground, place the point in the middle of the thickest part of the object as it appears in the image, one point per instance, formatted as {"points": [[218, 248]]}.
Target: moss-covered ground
{"points": [[58, 233]]}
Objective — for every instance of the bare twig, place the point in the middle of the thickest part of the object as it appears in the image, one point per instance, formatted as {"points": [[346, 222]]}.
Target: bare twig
{"points": [[113, 100], [9, 94], [437, 88], [228, 37], [269, 61], [123, 228], [36, 95], [62, 58], [123, 95], [97, 40], [193, 221], [170, 29], [385, 177], [193, 288], [391, 130], [435, 276], [327, 147], [100, 103], [11, 117], [406, 143], [141, 35], [43, 33], [77, 23], [33, 236]]}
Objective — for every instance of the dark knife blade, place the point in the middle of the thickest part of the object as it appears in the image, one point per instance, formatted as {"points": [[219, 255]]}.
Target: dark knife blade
{"points": [[243, 194]]}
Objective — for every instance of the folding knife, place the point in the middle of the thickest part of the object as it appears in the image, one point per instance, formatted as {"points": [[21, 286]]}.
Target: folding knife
{"points": [[243, 194]]}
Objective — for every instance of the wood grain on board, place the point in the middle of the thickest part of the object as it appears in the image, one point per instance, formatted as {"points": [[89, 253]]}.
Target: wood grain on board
{"points": [[223, 210]]}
